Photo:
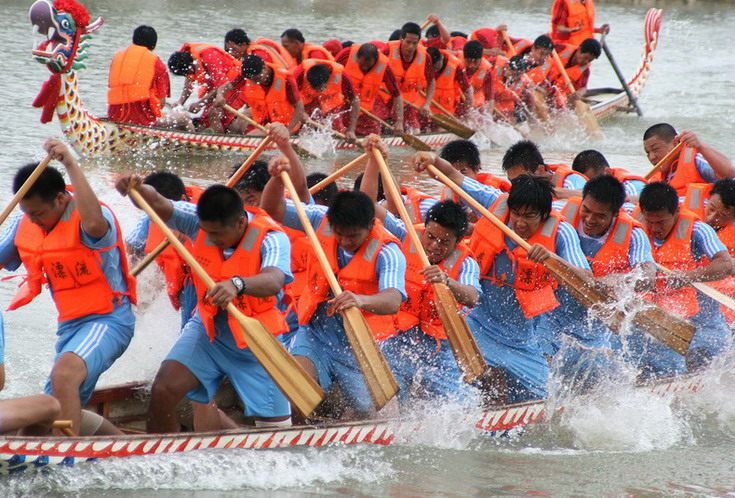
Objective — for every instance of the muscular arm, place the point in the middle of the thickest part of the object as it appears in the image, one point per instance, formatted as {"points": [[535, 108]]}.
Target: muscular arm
{"points": [[386, 302], [719, 267], [298, 115], [720, 164], [267, 283]]}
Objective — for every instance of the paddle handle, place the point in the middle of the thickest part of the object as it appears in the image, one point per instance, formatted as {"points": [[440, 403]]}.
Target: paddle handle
{"points": [[340, 172], [479, 207], [244, 117], [707, 290], [425, 25], [563, 71], [511, 47], [668, 158], [438, 105], [23, 190], [376, 118]]}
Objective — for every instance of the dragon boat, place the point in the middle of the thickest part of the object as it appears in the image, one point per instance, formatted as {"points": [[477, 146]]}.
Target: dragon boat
{"points": [[64, 52], [126, 405]]}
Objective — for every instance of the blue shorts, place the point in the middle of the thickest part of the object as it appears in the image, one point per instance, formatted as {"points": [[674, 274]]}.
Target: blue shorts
{"points": [[98, 340], [188, 299], [2, 340], [210, 362], [324, 342], [418, 358]]}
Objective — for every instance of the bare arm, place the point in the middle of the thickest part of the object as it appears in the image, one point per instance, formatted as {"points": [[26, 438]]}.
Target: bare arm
{"points": [[281, 138], [386, 302], [162, 206], [421, 160], [298, 115], [720, 267], [272, 200], [721, 165], [354, 115], [466, 295], [369, 184], [398, 110]]}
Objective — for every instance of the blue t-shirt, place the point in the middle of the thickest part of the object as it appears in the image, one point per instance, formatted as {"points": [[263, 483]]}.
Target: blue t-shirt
{"points": [[639, 251]]}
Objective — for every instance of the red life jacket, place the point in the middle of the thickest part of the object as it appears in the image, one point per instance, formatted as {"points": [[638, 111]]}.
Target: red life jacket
{"points": [[626, 176], [367, 85], [131, 78], [324, 54], [273, 106], [332, 97], [73, 270], [412, 80], [447, 90], [301, 251], [578, 14], [245, 262], [283, 54], [506, 93], [574, 72]]}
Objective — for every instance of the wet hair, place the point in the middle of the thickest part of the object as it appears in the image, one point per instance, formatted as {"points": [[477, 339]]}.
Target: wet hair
{"points": [[461, 150], [458, 33], [518, 63], [367, 51], [167, 184], [318, 75], [145, 36], [237, 36], [254, 178], [591, 46], [347, 43], [47, 186], [395, 35], [293, 34], [524, 153], [410, 28], [664, 131], [658, 196], [590, 160], [472, 50], [726, 189], [543, 41], [434, 54], [449, 215], [325, 195], [252, 66], [432, 31], [531, 192], [181, 63], [221, 204], [381, 192], [606, 189], [351, 209]]}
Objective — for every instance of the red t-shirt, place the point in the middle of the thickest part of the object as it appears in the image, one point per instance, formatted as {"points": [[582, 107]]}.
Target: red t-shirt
{"points": [[347, 89], [216, 65], [140, 112], [389, 77], [559, 14], [434, 42], [487, 37]]}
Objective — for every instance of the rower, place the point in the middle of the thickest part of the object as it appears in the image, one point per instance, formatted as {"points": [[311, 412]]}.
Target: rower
{"points": [[451, 81], [538, 56], [576, 61], [690, 248], [368, 70], [328, 94], [512, 89], [334, 47], [480, 73], [573, 21], [247, 255], [697, 162], [293, 41], [414, 73], [29, 416], [370, 268], [490, 41], [591, 163], [74, 243], [437, 34]]}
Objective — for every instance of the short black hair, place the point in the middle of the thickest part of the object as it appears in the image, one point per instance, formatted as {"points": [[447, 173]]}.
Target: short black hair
{"points": [[252, 66], [461, 150], [449, 215], [237, 36], [518, 63], [432, 31], [591, 46], [410, 28], [254, 178], [351, 209], [434, 54], [726, 190], [318, 75], [395, 35], [145, 36], [167, 184], [326, 194], [221, 204], [543, 41], [347, 43], [294, 34], [658, 196], [368, 51], [531, 192], [606, 189], [664, 131], [181, 63], [524, 153], [472, 50], [590, 159], [461, 34], [381, 192], [47, 186]]}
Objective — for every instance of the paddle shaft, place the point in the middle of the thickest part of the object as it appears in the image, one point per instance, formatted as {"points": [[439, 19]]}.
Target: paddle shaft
{"points": [[23, 190], [411, 140], [300, 389], [586, 117], [563, 71], [707, 290], [299, 149], [667, 159], [340, 172], [631, 98], [511, 47], [425, 25]]}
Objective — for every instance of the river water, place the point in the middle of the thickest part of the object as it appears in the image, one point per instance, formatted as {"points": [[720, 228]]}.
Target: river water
{"points": [[621, 443]]}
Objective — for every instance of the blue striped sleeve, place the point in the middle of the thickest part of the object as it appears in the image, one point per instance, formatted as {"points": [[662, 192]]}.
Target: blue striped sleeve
{"points": [[9, 256], [425, 205], [184, 219], [633, 187], [484, 194], [558, 205], [276, 252], [315, 213], [568, 248], [705, 169], [640, 248], [574, 182], [138, 238], [705, 241], [391, 269], [469, 273], [395, 226]]}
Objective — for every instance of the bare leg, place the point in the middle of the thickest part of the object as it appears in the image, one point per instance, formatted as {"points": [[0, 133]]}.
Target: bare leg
{"points": [[206, 416], [2, 376], [67, 375], [32, 415], [172, 382]]}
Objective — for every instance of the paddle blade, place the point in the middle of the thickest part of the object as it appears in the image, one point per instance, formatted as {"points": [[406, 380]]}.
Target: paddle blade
{"points": [[380, 381], [463, 344], [302, 151], [588, 120], [668, 329], [451, 125], [416, 142]]}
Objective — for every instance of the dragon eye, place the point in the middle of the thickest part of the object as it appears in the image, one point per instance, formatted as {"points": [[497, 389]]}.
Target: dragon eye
{"points": [[65, 24]]}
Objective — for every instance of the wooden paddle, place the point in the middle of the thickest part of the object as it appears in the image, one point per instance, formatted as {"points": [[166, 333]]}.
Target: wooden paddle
{"points": [[707, 290], [670, 330], [301, 390], [447, 120], [425, 25], [466, 352], [340, 172], [588, 120], [378, 376], [666, 161], [335, 133], [511, 47], [151, 256], [23, 190], [65, 427], [298, 148], [411, 140]]}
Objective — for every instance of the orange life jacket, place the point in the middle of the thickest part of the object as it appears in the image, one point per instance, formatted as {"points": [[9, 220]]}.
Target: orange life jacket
{"points": [[484, 178], [534, 286], [358, 276], [275, 56], [73, 271], [695, 197], [332, 97], [477, 80], [175, 270], [412, 80], [625, 176], [507, 94], [561, 172], [727, 237], [457, 43], [539, 74], [683, 171], [520, 46], [200, 76], [413, 202], [419, 308], [273, 106], [447, 90], [325, 55], [578, 14], [245, 262], [131, 78], [612, 257], [282, 52], [574, 72], [300, 252], [367, 85]]}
